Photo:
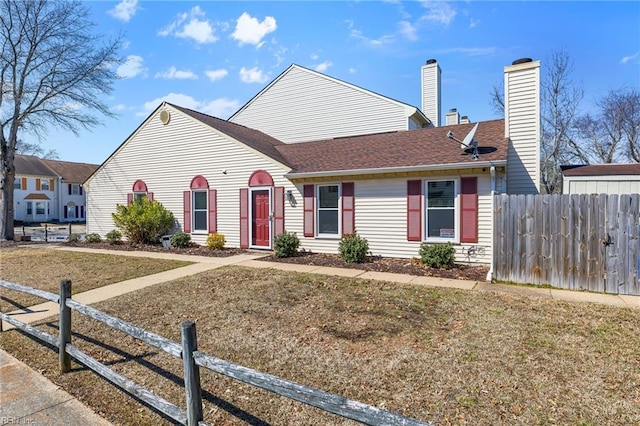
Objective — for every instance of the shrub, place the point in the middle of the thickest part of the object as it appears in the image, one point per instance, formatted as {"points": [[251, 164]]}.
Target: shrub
{"points": [[73, 238], [114, 237], [216, 241], [353, 248], [180, 239], [143, 221], [93, 238], [286, 244], [438, 255]]}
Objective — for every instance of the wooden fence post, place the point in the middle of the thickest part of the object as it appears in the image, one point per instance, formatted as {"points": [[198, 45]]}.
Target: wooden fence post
{"points": [[65, 327], [191, 374]]}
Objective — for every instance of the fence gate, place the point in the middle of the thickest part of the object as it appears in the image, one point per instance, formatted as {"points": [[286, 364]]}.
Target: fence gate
{"points": [[577, 242]]}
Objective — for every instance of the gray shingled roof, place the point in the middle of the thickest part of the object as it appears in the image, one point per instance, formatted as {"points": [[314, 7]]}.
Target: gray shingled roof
{"points": [[72, 172], [31, 165], [602, 170]]}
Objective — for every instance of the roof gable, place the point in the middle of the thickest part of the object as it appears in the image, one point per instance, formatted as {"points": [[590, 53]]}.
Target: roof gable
{"points": [[410, 110]]}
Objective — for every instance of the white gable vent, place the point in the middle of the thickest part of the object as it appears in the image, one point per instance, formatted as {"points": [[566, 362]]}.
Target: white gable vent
{"points": [[165, 117]]}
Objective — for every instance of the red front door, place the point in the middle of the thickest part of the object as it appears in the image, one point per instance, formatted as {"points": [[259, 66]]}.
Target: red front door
{"points": [[260, 224]]}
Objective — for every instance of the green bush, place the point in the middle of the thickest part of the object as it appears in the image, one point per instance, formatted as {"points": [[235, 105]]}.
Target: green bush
{"points": [[73, 238], [438, 255], [216, 241], [143, 221], [180, 239], [114, 237], [353, 248], [286, 244], [92, 238]]}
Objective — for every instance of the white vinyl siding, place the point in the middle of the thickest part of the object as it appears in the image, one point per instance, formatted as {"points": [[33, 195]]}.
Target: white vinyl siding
{"points": [[167, 158], [303, 105], [522, 126], [601, 185], [381, 218], [431, 92]]}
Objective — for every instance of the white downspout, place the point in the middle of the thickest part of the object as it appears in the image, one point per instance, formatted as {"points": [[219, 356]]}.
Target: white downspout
{"points": [[493, 193]]}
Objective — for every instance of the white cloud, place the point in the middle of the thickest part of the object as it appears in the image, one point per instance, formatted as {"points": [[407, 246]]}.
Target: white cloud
{"points": [[314, 56], [626, 59], [124, 10], [192, 25], [221, 107], [438, 11], [470, 51], [352, 70], [473, 23], [372, 42], [119, 107], [174, 73], [323, 66], [250, 31], [126, 44], [132, 67], [253, 75], [408, 30], [215, 75]]}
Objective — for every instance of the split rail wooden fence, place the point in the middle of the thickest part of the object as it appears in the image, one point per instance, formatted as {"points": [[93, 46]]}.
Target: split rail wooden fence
{"points": [[192, 361], [577, 242]]}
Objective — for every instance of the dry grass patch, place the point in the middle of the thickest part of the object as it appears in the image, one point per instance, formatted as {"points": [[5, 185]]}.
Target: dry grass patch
{"points": [[44, 268], [439, 355]]}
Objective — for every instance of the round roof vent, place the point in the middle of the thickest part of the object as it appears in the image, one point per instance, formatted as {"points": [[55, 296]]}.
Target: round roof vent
{"points": [[521, 61], [165, 117]]}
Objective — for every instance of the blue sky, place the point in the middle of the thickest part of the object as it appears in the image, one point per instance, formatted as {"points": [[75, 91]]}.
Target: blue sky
{"points": [[214, 56]]}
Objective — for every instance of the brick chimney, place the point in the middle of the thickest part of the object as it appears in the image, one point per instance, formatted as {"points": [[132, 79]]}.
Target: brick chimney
{"points": [[522, 125], [431, 95]]}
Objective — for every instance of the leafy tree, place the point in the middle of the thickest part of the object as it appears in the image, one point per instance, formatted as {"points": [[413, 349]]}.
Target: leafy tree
{"points": [[53, 71]]}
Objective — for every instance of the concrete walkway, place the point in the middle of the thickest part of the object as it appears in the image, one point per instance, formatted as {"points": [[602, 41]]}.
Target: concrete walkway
{"points": [[52, 406]]}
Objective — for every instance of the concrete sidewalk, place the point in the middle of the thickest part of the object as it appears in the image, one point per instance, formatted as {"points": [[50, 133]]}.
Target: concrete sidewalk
{"points": [[52, 406], [29, 398]]}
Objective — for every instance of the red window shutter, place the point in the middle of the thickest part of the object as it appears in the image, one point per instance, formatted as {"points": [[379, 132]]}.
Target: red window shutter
{"points": [[80, 189], [213, 213], [414, 210], [82, 212], [129, 198], [348, 217], [186, 218], [278, 210], [244, 218], [308, 195], [469, 210], [150, 196], [69, 188], [37, 184]]}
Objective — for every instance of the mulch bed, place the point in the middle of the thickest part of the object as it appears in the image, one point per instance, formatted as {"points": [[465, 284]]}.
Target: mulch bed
{"points": [[373, 263]]}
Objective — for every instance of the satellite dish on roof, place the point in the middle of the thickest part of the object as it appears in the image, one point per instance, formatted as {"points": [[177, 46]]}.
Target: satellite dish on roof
{"points": [[468, 141], [467, 144]]}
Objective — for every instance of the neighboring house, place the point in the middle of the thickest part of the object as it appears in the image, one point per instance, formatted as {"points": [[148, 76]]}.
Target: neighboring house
{"points": [[397, 189], [601, 179], [49, 190]]}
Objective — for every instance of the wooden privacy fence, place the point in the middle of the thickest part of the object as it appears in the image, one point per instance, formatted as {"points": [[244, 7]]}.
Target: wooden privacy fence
{"points": [[192, 361], [577, 242]]}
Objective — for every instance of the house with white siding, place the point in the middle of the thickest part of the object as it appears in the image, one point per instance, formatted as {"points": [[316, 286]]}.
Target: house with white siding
{"points": [[397, 187], [601, 179], [49, 190]]}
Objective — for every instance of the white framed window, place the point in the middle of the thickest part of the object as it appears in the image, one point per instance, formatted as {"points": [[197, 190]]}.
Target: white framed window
{"points": [[17, 183], [328, 210], [44, 185], [75, 189], [40, 207], [71, 211], [441, 210], [199, 199]]}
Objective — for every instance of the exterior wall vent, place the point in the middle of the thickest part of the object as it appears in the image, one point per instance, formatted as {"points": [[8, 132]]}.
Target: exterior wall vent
{"points": [[165, 117]]}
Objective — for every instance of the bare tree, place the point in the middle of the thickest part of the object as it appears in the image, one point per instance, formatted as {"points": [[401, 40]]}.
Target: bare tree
{"points": [[53, 71], [35, 148], [612, 135]]}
